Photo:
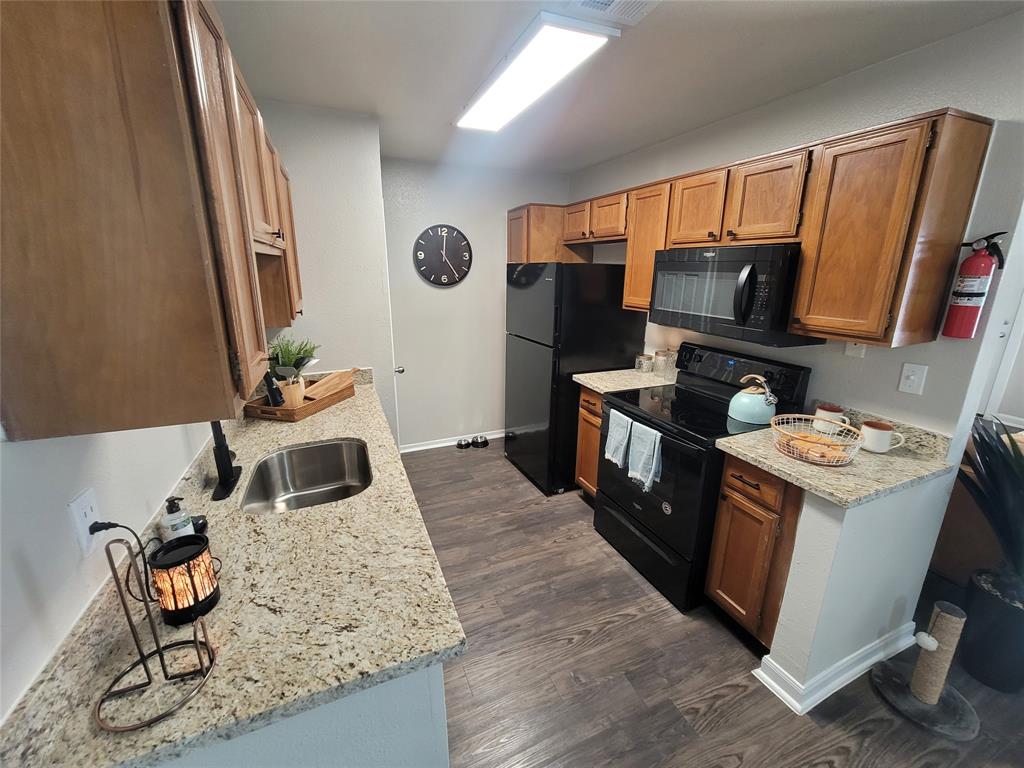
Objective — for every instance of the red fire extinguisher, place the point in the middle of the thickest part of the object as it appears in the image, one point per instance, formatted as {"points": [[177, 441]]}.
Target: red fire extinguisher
{"points": [[971, 287]]}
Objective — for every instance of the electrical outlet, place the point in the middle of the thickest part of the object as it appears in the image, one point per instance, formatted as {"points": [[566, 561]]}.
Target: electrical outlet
{"points": [[84, 510], [912, 378], [853, 349]]}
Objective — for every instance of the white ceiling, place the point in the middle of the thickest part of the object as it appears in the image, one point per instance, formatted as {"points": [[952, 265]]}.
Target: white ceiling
{"points": [[416, 65]]}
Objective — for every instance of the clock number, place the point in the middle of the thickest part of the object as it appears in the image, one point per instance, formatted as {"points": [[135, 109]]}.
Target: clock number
{"points": [[465, 256], [442, 231], [444, 278], [419, 254]]}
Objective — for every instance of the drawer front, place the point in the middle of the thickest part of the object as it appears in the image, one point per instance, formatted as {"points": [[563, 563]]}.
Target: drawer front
{"points": [[590, 401], [754, 483]]}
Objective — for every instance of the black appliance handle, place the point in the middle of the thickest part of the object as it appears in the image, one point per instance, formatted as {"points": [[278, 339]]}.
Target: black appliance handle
{"points": [[741, 295]]}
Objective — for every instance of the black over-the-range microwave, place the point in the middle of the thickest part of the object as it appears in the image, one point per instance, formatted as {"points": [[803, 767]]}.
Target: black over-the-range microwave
{"points": [[740, 292]]}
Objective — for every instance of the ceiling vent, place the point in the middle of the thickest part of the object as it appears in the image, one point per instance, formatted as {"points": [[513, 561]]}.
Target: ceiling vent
{"points": [[628, 12]]}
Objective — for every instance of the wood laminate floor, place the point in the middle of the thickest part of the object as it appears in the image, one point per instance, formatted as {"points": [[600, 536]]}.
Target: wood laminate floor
{"points": [[574, 660]]}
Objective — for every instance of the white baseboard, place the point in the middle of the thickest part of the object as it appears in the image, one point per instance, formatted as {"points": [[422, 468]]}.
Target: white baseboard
{"points": [[412, 447], [803, 697]]}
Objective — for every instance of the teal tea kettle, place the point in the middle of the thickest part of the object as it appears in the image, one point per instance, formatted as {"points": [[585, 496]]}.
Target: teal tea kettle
{"points": [[755, 404]]}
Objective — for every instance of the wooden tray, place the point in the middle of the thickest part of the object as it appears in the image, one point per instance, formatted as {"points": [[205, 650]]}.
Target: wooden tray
{"points": [[320, 394]]}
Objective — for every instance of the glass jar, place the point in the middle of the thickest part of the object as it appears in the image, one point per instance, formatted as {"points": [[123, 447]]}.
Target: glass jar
{"points": [[645, 363]]}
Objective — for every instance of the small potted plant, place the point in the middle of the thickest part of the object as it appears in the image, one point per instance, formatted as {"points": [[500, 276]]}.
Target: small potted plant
{"points": [[992, 649], [287, 359]]}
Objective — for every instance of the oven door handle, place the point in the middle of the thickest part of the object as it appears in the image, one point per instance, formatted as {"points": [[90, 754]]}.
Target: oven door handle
{"points": [[742, 294]]}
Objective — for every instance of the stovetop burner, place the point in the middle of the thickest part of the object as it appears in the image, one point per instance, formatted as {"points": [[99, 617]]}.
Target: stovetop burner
{"points": [[693, 415]]}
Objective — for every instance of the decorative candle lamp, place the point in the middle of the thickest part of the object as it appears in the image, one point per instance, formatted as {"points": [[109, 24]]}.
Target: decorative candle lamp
{"points": [[184, 579]]}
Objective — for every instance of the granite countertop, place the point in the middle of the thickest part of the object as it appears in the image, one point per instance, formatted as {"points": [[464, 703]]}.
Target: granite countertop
{"points": [[315, 604], [603, 382], [867, 477]]}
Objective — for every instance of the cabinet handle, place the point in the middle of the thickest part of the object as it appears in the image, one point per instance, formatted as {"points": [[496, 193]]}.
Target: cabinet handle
{"points": [[730, 233], [712, 235], [589, 402], [583, 234], [742, 479], [278, 233], [591, 233]]}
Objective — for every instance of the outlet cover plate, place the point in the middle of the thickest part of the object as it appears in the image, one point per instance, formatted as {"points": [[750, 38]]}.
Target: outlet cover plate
{"points": [[912, 378], [84, 510]]}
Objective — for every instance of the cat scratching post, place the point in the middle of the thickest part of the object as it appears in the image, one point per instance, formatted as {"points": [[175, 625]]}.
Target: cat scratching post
{"points": [[921, 694]]}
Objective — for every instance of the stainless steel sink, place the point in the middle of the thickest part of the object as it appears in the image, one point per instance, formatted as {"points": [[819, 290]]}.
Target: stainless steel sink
{"points": [[305, 475]]}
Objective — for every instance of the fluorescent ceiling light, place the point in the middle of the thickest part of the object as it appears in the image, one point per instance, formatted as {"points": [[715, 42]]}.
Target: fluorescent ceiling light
{"points": [[551, 48]]}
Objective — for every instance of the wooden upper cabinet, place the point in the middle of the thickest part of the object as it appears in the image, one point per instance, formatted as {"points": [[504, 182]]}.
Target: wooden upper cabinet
{"points": [[99, 312], [696, 208], [764, 197], [284, 197], [535, 237], [271, 162], [576, 221], [856, 232], [608, 216], [517, 222], [741, 557], [648, 222], [252, 151], [210, 71]]}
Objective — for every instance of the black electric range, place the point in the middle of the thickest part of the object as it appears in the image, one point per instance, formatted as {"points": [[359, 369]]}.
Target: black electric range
{"points": [[665, 532]]}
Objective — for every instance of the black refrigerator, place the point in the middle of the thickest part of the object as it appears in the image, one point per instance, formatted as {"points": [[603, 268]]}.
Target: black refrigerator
{"points": [[560, 319]]}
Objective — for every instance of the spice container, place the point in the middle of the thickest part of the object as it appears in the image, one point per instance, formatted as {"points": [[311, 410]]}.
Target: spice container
{"points": [[645, 363]]}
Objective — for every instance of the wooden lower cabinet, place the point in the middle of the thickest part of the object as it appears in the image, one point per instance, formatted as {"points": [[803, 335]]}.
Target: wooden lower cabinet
{"points": [[588, 441], [752, 546]]}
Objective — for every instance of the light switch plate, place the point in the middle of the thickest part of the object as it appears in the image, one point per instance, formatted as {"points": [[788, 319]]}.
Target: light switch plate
{"points": [[912, 378], [84, 510], [853, 349]]}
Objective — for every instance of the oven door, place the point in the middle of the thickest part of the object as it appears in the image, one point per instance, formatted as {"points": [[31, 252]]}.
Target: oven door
{"points": [[671, 510], [706, 291]]}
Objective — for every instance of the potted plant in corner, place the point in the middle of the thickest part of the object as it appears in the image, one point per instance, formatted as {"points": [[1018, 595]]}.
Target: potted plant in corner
{"points": [[992, 648], [287, 359]]}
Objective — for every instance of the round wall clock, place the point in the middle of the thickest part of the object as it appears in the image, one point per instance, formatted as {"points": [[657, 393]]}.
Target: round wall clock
{"points": [[442, 255]]}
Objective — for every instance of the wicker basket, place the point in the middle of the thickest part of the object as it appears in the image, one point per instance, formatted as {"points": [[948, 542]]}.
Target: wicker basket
{"points": [[816, 440]]}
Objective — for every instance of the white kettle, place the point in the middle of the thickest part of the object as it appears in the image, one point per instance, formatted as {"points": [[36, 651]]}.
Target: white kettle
{"points": [[755, 404]]}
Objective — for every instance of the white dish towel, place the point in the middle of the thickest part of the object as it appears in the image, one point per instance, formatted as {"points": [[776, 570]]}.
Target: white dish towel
{"points": [[644, 455], [618, 438]]}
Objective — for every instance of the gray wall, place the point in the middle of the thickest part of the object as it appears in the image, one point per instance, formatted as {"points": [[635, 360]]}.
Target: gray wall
{"points": [[451, 341], [46, 582], [333, 159], [981, 70]]}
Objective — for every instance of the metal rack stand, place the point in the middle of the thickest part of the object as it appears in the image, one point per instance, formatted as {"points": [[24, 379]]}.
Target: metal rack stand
{"points": [[202, 647]]}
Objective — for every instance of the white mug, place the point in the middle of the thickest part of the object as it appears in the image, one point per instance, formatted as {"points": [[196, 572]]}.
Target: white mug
{"points": [[830, 412], [879, 437]]}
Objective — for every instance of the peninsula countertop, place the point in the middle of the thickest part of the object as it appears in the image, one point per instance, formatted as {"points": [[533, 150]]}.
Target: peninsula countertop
{"points": [[316, 604], [869, 476]]}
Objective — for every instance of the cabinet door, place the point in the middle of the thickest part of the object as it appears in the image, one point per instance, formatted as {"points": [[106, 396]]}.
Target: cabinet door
{"points": [[271, 162], [608, 216], [291, 252], [517, 222], [855, 236], [576, 222], [648, 221], [211, 80], [697, 205], [251, 151], [764, 197], [588, 445], [741, 554]]}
